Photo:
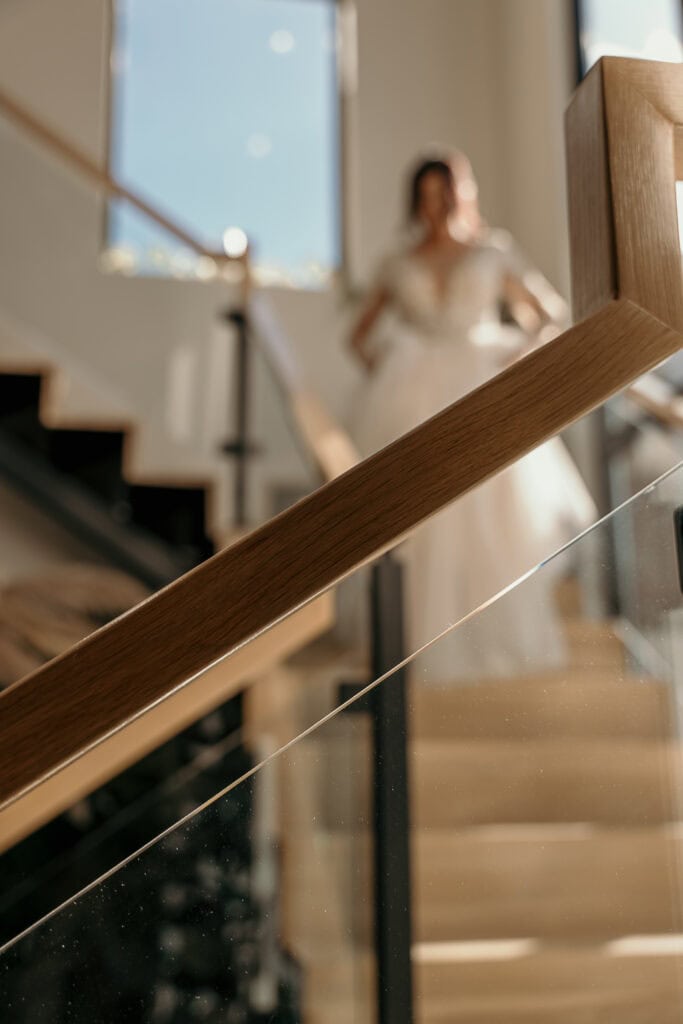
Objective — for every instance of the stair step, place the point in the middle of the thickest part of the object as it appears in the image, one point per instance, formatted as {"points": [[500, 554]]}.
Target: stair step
{"points": [[578, 1007], [548, 706], [614, 782], [75, 403], [553, 986], [52, 402], [557, 883], [72, 397], [472, 971], [462, 783], [554, 882], [594, 643]]}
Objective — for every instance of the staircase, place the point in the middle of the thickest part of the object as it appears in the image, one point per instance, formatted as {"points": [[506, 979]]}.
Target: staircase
{"points": [[546, 847], [153, 510], [42, 616]]}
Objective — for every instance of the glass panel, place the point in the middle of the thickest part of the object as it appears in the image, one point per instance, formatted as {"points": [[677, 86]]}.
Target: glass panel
{"points": [[226, 113], [545, 801], [196, 927]]}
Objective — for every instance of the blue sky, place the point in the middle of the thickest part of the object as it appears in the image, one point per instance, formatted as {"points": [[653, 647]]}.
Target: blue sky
{"points": [[638, 28], [226, 113]]}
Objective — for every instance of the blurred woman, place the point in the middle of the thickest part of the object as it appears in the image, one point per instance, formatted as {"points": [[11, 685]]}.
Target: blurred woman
{"points": [[439, 298]]}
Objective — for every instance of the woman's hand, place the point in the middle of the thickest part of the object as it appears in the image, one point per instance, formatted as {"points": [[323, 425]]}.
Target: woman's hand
{"points": [[360, 336]]}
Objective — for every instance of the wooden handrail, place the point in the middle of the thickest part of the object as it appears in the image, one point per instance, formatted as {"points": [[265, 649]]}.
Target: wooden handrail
{"points": [[118, 672], [622, 131], [327, 443], [631, 325], [655, 397], [82, 164]]}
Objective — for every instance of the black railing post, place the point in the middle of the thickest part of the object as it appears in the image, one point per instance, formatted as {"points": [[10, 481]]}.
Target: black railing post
{"points": [[239, 446], [393, 931]]}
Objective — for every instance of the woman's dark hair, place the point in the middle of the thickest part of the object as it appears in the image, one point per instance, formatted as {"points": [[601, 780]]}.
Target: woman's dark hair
{"points": [[435, 165]]}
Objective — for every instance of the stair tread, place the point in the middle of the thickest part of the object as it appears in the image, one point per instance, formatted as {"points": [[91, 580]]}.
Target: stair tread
{"points": [[548, 980], [76, 403], [565, 703], [560, 883], [462, 782], [72, 398], [615, 781], [550, 881]]}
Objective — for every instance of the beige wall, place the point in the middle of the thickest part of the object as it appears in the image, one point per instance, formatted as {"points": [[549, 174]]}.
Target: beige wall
{"points": [[487, 75], [428, 74], [537, 67], [53, 56]]}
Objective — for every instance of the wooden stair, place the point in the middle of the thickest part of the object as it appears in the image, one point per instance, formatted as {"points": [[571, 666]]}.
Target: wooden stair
{"points": [[538, 986], [81, 440], [563, 704], [546, 850], [544, 882]]}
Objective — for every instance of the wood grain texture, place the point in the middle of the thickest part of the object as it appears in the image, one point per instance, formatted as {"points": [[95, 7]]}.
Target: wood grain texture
{"points": [[78, 699], [165, 720], [678, 151], [659, 82], [623, 151], [640, 139], [591, 229]]}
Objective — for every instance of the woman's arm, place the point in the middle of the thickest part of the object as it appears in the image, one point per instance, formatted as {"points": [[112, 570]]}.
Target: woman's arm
{"points": [[533, 302], [373, 307], [534, 307], [539, 320]]}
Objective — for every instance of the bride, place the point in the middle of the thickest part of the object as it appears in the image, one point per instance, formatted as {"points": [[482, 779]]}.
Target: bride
{"points": [[430, 331]]}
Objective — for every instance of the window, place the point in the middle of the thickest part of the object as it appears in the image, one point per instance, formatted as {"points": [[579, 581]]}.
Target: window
{"points": [[651, 29], [225, 115]]}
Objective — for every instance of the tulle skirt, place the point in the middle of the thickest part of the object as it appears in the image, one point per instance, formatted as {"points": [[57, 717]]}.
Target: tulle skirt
{"points": [[486, 540]]}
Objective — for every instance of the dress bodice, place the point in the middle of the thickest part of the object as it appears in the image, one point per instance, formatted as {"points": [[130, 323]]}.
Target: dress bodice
{"points": [[469, 297]]}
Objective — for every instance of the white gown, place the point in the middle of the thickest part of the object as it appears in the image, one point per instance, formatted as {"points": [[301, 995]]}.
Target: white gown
{"points": [[434, 349]]}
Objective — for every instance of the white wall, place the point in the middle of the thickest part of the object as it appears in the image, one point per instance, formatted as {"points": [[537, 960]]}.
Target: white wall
{"points": [[538, 69], [489, 76], [53, 55]]}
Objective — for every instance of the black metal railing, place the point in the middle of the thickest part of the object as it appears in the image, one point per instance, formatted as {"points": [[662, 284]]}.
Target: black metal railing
{"points": [[239, 445], [387, 704], [393, 918]]}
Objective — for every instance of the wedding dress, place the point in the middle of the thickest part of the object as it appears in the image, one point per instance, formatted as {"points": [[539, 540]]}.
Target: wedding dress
{"points": [[437, 344]]}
